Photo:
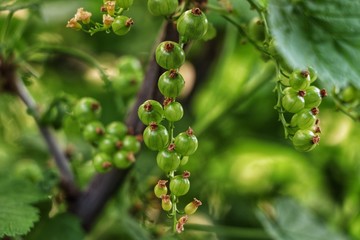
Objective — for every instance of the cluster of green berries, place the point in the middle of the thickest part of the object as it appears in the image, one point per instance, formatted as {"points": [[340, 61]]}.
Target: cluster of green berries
{"points": [[172, 151], [113, 146], [302, 100], [113, 19]]}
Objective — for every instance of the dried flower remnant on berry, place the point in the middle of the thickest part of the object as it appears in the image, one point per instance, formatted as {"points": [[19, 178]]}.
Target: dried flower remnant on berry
{"points": [[83, 16], [180, 224]]}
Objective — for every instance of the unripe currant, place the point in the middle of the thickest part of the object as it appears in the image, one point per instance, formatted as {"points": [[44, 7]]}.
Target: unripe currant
{"points": [[299, 79], [305, 119], [162, 7], [150, 111], [169, 55], [305, 140], [122, 25], [93, 131], [167, 159], [107, 144], [156, 136], [192, 24], [123, 159], [293, 101], [160, 188], [191, 207], [87, 110], [124, 3], [102, 162], [257, 29], [313, 74], [166, 203], [171, 83], [130, 143], [180, 184], [312, 97], [173, 111], [117, 129], [186, 143]]}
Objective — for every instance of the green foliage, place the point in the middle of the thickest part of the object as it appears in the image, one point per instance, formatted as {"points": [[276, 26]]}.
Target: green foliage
{"points": [[17, 215], [322, 34], [62, 226], [286, 219]]}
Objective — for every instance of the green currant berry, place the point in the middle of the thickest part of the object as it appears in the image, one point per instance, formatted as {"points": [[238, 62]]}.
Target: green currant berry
{"points": [[180, 184], [122, 25], [169, 55], [257, 29], [312, 97], [184, 160], [129, 65], [93, 131], [305, 140], [160, 188], [171, 83], [117, 129], [305, 119], [124, 3], [348, 94], [166, 203], [186, 143], [131, 144], [87, 110], [162, 7], [299, 79], [191, 207], [167, 159], [102, 162], [108, 144], [173, 111], [156, 137], [123, 159], [293, 101], [192, 24], [150, 111], [313, 74]]}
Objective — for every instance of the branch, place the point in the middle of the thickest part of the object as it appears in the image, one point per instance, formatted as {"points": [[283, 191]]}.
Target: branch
{"points": [[14, 84], [91, 203]]}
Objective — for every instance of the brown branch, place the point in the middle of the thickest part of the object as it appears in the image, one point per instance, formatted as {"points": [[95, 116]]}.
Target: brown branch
{"points": [[91, 203], [12, 83]]}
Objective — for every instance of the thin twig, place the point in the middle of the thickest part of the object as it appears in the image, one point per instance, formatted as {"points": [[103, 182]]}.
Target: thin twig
{"points": [[61, 161]]}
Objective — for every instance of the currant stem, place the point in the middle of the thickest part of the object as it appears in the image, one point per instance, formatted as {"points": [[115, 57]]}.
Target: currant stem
{"points": [[242, 31], [278, 105], [6, 27], [173, 212], [74, 53]]}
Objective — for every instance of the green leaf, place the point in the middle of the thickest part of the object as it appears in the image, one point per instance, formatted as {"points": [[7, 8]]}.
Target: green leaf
{"points": [[286, 220], [62, 226], [16, 218], [324, 34]]}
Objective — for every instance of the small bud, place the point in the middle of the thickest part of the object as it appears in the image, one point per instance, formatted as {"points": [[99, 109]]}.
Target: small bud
{"points": [[166, 203], [315, 111], [110, 7], [160, 188], [302, 93], [315, 139], [107, 20], [191, 207], [83, 16], [72, 23]]}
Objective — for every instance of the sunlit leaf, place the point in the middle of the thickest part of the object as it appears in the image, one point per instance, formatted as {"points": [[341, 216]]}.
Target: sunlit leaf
{"points": [[324, 34], [285, 220]]}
